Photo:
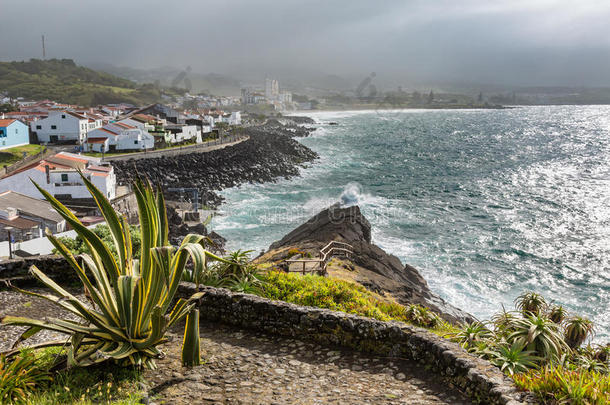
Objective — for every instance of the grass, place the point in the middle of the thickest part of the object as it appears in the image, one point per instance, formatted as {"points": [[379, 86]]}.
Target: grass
{"points": [[13, 155], [558, 385], [102, 384], [345, 296]]}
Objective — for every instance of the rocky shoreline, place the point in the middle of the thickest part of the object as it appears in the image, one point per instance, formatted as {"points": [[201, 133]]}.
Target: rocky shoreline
{"points": [[369, 265], [270, 153]]}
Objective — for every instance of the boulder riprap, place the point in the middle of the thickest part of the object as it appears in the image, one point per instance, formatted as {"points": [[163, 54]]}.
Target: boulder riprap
{"points": [[269, 154], [369, 265]]}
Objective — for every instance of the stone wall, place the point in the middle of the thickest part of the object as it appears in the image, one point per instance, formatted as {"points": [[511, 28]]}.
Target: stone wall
{"points": [[54, 266], [483, 382]]}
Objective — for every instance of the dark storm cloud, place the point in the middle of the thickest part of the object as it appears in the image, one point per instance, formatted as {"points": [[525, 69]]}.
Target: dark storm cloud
{"points": [[510, 42]]}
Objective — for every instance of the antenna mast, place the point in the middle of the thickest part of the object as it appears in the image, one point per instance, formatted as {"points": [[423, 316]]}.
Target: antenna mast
{"points": [[43, 50]]}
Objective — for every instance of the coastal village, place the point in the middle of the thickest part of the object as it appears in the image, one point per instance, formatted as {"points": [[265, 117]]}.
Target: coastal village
{"points": [[53, 143], [124, 293]]}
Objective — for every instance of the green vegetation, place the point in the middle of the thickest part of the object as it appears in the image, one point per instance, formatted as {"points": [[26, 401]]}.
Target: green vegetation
{"points": [[235, 272], [18, 377], [540, 347], [340, 295], [30, 378], [561, 385], [131, 300], [14, 155], [63, 81], [78, 246]]}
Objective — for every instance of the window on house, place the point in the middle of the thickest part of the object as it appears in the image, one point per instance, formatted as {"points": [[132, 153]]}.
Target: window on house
{"points": [[38, 126], [1, 133], [64, 177], [53, 126], [63, 116], [135, 142]]}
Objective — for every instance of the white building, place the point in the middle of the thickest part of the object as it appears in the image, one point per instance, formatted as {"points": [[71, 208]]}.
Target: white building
{"points": [[181, 133], [233, 119], [118, 136], [272, 89], [59, 176], [63, 126]]}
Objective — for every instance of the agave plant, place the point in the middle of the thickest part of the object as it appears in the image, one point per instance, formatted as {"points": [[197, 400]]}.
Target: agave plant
{"points": [[530, 303], [539, 334], [513, 359], [130, 308], [577, 330], [472, 333]]}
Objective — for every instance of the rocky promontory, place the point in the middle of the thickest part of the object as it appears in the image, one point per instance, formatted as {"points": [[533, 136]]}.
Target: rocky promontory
{"points": [[269, 153], [370, 266]]}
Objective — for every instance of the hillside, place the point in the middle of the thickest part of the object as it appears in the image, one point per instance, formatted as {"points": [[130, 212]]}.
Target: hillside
{"points": [[210, 83], [63, 81]]}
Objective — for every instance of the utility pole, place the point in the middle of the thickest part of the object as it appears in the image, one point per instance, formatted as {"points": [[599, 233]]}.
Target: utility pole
{"points": [[44, 53]]}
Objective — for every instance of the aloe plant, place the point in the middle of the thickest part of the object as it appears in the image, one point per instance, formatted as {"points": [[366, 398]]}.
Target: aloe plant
{"points": [[130, 307], [530, 303], [577, 330], [513, 359], [557, 314], [472, 333], [539, 334]]}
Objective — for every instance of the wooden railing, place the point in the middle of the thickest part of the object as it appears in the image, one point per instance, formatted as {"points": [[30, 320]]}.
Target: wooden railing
{"points": [[333, 248]]}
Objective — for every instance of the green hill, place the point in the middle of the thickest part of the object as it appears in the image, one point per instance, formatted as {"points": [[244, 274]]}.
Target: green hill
{"points": [[63, 81]]}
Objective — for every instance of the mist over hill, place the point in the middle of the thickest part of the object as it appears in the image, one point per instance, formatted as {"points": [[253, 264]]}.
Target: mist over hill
{"points": [[62, 80]]}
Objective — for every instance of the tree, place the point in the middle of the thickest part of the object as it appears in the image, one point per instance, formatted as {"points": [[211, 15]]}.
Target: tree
{"points": [[430, 97]]}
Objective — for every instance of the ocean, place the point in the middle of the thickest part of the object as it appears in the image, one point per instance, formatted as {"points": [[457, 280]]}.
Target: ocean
{"points": [[484, 203]]}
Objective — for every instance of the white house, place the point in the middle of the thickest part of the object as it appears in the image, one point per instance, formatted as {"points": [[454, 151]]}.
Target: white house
{"points": [[59, 176], [63, 127], [181, 133], [118, 136], [27, 217]]}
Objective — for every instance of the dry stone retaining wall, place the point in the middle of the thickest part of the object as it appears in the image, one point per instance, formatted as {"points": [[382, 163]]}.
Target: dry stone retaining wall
{"points": [[483, 382]]}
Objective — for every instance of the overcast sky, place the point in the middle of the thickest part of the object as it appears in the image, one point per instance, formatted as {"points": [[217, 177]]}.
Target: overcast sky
{"points": [[532, 42]]}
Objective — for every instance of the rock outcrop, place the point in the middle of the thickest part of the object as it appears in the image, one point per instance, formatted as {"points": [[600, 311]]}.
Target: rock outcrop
{"points": [[370, 265]]}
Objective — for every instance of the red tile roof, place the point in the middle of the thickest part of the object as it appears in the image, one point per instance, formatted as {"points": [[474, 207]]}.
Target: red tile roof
{"points": [[6, 123], [96, 140]]}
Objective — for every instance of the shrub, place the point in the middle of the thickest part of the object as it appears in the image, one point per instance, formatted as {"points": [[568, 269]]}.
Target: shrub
{"points": [[78, 246], [131, 300]]}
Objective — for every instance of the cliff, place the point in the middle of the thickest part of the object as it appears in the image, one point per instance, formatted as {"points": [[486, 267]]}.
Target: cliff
{"points": [[370, 265]]}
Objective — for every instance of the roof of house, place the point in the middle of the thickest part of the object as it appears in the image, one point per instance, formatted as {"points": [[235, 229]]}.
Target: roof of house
{"points": [[29, 205], [19, 223], [66, 161], [75, 114], [6, 122], [97, 140]]}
